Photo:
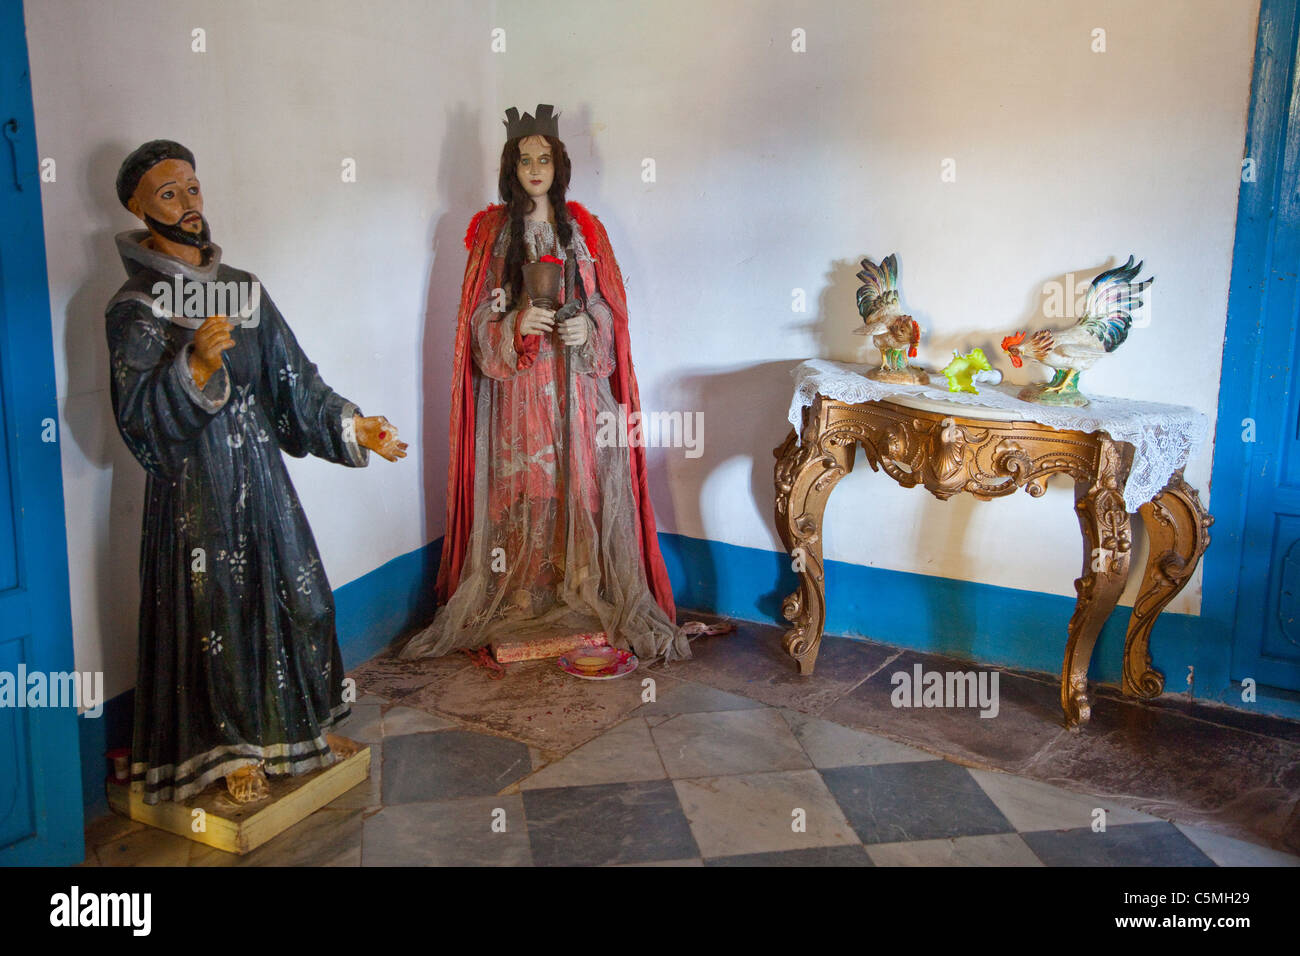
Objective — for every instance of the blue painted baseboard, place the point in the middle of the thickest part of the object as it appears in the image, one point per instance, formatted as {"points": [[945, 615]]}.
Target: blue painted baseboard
{"points": [[99, 735], [980, 622], [376, 608]]}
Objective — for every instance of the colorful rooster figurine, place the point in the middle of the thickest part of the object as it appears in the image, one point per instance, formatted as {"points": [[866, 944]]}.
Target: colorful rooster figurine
{"points": [[1102, 329], [894, 333]]}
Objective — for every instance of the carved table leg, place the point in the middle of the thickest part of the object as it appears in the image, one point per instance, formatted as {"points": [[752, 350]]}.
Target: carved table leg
{"points": [[1178, 533], [1107, 539], [805, 475]]}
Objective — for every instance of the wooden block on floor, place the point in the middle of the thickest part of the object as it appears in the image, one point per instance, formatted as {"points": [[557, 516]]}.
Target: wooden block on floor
{"points": [[239, 828], [542, 648]]}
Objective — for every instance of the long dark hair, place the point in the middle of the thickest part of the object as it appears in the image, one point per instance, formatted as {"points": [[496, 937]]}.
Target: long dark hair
{"points": [[519, 204]]}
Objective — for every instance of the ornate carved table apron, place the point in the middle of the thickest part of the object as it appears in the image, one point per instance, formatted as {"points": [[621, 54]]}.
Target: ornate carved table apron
{"points": [[916, 444]]}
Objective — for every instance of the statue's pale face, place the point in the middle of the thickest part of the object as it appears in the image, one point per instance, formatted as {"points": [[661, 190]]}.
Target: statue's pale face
{"points": [[170, 193], [536, 172]]}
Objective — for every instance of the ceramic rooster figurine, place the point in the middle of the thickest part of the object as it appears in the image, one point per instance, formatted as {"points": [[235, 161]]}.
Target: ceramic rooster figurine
{"points": [[1102, 329], [894, 333]]}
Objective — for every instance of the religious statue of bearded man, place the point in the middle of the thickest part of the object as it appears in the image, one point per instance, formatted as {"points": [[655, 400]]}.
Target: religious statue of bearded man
{"points": [[550, 530], [240, 673]]}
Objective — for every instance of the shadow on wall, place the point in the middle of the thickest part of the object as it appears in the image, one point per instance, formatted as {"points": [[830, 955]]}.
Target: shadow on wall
{"points": [[460, 195], [745, 417], [91, 425]]}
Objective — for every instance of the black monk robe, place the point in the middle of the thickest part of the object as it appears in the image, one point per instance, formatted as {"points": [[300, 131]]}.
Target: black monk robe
{"points": [[239, 661]]}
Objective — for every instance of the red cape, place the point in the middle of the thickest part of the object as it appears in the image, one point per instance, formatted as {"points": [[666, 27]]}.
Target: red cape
{"points": [[479, 240]]}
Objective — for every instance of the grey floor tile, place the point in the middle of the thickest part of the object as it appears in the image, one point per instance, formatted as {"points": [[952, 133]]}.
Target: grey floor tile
{"points": [[349, 857], [848, 855], [1132, 844], [762, 812], [690, 861], [1034, 805], [833, 745], [620, 754], [1028, 717], [539, 757], [1229, 851], [735, 741], [419, 768], [639, 822], [449, 833], [400, 721], [994, 849], [752, 662], [1215, 712], [368, 794], [895, 802], [685, 697], [365, 724], [1183, 768]]}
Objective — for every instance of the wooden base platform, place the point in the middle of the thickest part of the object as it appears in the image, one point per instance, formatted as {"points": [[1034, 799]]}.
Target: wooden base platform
{"points": [[239, 828]]}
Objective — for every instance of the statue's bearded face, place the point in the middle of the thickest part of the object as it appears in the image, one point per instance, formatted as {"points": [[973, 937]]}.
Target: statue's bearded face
{"points": [[536, 169], [170, 202]]}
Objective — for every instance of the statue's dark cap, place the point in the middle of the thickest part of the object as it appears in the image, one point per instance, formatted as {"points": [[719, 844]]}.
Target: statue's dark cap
{"points": [[145, 158]]}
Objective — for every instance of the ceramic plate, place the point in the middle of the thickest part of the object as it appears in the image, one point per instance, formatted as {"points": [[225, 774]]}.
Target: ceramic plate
{"points": [[598, 663]]}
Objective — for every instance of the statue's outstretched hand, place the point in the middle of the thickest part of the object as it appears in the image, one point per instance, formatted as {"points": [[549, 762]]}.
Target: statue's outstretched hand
{"points": [[378, 434]]}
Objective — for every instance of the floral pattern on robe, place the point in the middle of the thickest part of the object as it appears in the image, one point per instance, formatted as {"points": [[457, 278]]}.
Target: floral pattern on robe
{"points": [[238, 657]]}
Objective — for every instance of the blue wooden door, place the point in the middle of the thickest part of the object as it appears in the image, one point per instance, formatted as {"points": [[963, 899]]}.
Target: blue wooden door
{"points": [[40, 779], [1259, 421]]}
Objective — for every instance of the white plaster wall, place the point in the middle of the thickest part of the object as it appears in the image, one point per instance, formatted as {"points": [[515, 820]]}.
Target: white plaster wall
{"points": [[775, 170], [779, 170], [283, 94]]}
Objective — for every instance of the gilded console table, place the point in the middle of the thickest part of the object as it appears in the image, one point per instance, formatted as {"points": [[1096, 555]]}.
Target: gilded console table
{"points": [[990, 457]]}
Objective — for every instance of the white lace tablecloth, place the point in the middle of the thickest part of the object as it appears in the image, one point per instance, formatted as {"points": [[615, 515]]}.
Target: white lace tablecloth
{"points": [[1164, 437]]}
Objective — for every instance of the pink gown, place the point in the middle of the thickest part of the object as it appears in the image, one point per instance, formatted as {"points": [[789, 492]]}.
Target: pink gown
{"points": [[553, 546]]}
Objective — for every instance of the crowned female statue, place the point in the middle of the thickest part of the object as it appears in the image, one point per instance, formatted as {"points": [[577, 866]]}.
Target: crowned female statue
{"points": [[550, 530]]}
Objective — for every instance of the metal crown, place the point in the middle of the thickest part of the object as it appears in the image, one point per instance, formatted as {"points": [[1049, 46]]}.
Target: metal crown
{"points": [[545, 123]]}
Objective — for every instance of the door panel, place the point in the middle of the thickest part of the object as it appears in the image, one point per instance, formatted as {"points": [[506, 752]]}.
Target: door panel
{"points": [[40, 769], [1281, 639], [1261, 371], [16, 819], [8, 540]]}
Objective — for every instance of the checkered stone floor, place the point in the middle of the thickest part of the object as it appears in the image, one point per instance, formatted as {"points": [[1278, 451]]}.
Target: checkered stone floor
{"points": [[699, 777]]}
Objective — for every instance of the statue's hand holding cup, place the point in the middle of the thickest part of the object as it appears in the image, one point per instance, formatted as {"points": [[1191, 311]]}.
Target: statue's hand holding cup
{"points": [[536, 319]]}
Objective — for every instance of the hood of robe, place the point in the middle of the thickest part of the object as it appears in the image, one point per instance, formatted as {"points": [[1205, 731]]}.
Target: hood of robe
{"points": [[138, 259]]}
